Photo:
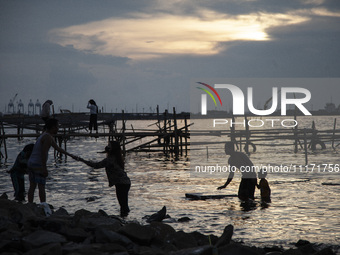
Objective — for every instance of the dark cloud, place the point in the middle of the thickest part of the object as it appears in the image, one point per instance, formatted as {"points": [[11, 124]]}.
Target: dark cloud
{"points": [[35, 68]]}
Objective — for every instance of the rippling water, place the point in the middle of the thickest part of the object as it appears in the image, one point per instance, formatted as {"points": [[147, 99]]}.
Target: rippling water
{"points": [[302, 207]]}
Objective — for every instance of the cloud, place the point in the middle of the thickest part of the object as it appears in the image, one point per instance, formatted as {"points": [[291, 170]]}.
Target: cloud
{"points": [[144, 36]]}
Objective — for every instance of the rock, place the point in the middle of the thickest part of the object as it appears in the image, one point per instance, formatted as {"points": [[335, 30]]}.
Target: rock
{"points": [[307, 249], [4, 196], [82, 213], [91, 199], [94, 249], [103, 213], [76, 235], [87, 220], [293, 252], [17, 212], [54, 224], [202, 239], [50, 249], [146, 250], [226, 236], [325, 251], [161, 233], [11, 246], [108, 236], [273, 249], [61, 212], [182, 240], [302, 243], [159, 216], [237, 249], [202, 250], [42, 237], [184, 219], [138, 233]]}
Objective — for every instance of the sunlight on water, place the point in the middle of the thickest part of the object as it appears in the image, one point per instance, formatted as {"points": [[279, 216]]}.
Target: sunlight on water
{"points": [[302, 207]]}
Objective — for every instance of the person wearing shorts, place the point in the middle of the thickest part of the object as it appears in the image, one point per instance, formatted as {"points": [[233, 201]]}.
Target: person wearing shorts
{"points": [[37, 169]]}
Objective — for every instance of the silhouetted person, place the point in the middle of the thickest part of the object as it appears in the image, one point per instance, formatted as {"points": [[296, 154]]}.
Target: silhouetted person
{"points": [[241, 161], [115, 171], [18, 172], [93, 115], [37, 168], [264, 187], [46, 110]]}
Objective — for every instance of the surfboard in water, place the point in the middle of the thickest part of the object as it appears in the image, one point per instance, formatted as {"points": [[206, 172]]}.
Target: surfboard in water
{"points": [[202, 196]]}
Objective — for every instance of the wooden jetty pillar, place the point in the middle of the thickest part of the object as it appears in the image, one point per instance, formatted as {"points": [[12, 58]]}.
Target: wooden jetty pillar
{"points": [[3, 142], [123, 132], [246, 146], [166, 136], [232, 132], [296, 139], [176, 143], [186, 135], [305, 143], [333, 136]]}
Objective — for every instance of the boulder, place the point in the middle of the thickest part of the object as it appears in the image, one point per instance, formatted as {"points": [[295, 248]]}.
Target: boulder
{"points": [[138, 233], [201, 250], [237, 249], [182, 240], [161, 232], [203, 239], [76, 235], [226, 236], [61, 212], [158, 216], [184, 219], [103, 235], [42, 237], [49, 249]]}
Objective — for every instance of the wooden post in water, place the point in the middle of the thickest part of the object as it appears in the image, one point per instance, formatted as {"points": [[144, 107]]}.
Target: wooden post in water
{"points": [[176, 147], [186, 135], [305, 143], [246, 147], [333, 137], [123, 131], [295, 135], [3, 141]]}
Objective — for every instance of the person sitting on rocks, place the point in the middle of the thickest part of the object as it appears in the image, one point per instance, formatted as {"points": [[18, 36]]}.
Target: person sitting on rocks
{"points": [[114, 167]]}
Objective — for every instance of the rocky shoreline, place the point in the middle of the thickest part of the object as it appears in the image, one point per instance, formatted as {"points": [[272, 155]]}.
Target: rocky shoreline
{"points": [[25, 229]]}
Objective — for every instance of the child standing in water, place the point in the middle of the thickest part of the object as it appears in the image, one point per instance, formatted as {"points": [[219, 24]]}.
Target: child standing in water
{"points": [[264, 186], [19, 170], [114, 167]]}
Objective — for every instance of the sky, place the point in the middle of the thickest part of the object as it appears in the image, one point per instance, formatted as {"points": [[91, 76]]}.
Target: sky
{"points": [[135, 55]]}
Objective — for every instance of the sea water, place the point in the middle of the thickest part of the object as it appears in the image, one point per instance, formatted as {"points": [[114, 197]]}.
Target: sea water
{"points": [[304, 206]]}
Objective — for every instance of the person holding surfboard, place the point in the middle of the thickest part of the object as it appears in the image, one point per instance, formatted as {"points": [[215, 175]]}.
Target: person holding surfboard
{"points": [[115, 171], [241, 161]]}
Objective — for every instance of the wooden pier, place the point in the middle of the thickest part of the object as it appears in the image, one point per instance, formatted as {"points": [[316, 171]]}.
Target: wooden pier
{"points": [[248, 140], [165, 136]]}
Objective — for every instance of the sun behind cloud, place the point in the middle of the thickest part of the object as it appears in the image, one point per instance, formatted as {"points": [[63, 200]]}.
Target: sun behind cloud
{"points": [[145, 36]]}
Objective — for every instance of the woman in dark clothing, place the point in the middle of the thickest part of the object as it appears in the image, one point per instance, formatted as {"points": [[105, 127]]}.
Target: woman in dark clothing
{"points": [[114, 167]]}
